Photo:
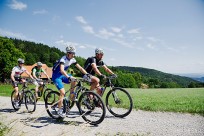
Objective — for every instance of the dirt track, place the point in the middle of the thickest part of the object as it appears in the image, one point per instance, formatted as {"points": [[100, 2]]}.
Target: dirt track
{"points": [[137, 123]]}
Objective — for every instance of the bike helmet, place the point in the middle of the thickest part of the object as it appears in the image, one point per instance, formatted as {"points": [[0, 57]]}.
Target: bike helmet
{"points": [[39, 64], [99, 51], [21, 61], [70, 49]]}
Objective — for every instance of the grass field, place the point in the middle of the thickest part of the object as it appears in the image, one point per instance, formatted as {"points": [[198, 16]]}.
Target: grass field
{"points": [[186, 100]]}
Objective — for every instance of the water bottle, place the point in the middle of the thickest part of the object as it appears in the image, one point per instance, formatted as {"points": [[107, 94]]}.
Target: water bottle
{"points": [[40, 90], [102, 90]]}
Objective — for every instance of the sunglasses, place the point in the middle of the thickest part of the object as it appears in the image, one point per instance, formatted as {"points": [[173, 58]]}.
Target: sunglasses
{"points": [[72, 53]]}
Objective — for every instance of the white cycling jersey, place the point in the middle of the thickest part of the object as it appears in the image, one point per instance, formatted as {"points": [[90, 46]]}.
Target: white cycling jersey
{"points": [[66, 61], [18, 71]]}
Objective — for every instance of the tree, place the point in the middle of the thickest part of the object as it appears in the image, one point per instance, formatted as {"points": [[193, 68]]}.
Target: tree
{"points": [[30, 60], [8, 57], [54, 57]]}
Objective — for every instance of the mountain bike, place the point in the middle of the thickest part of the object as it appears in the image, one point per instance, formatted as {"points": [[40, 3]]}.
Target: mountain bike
{"points": [[90, 105], [26, 96], [117, 98], [42, 90]]}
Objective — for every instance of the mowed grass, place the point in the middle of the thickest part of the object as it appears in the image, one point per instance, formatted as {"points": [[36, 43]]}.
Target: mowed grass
{"points": [[185, 100]]}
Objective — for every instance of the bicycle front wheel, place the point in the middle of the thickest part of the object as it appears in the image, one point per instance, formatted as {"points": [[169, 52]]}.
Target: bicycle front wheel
{"points": [[119, 102], [91, 107], [16, 102], [30, 101], [51, 104], [46, 92]]}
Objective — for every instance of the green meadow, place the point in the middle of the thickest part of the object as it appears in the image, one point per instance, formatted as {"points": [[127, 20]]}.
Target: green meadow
{"points": [[184, 100]]}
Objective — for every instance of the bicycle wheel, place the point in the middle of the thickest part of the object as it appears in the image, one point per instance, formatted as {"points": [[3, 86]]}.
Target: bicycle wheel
{"points": [[51, 104], [14, 101], [46, 92], [30, 101], [91, 107], [119, 102]]}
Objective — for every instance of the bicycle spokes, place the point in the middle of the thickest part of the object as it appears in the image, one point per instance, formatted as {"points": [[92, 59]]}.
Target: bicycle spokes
{"points": [[91, 107], [119, 102]]}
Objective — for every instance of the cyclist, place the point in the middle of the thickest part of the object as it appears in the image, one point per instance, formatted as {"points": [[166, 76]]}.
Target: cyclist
{"points": [[91, 66], [59, 75], [36, 73], [16, 77]]}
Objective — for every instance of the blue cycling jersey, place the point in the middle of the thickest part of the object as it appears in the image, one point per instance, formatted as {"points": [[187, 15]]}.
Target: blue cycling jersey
{"points": [[66, 62]]}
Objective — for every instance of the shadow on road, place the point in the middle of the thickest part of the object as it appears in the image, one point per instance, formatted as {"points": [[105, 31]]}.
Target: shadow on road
{"points": [[7, 110]]}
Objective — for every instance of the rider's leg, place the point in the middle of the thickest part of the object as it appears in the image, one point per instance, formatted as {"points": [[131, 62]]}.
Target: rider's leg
{"points": [[16, 92], [95, 84], [61, 97], [36, 88], [72, 95]]}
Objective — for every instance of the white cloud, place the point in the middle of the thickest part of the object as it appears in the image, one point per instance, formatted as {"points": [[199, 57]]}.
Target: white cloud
{"points": [[12, 34], [17, 5], [105, 34], [88, 29], [134, 31], [82, 47], [153, 39], [116, 29], [81, 20], [150, 46], [121, 42], [43, 11]]}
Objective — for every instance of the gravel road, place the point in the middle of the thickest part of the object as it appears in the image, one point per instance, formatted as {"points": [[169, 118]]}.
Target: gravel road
{"points": [[138, 123]]}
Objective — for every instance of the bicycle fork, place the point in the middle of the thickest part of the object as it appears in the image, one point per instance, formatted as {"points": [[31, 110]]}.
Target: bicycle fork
{"points": [[115, 97]]}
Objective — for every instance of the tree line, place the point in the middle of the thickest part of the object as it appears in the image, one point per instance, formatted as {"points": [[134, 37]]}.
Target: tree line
{"points": [[129, 77]]}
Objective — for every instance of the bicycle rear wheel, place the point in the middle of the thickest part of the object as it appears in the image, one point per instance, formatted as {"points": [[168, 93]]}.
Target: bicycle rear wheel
{"points": [[51, 104], [91, 107], [119, 102], [14, 101], [30, 101]]}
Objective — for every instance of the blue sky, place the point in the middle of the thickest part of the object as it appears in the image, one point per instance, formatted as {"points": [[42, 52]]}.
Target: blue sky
{"points": [[166, 35]]}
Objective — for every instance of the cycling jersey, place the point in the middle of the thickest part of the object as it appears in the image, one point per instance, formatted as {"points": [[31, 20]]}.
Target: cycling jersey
{"points": [[37, 72], [18, 71], [89, 61], [57, 76]]}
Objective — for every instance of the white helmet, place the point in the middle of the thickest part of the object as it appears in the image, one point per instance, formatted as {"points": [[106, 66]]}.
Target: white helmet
{"points": [[39, 64], [21, 61], [99, 51], [70, 49]]}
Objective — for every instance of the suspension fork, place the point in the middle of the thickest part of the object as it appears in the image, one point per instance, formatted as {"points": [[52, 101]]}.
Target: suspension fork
{"points": [[114, 94]]}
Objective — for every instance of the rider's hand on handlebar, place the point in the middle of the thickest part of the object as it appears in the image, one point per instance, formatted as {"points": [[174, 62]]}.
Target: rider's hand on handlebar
{"points": [[87, 77], [72, 79], [102, 76], [114, 75]]}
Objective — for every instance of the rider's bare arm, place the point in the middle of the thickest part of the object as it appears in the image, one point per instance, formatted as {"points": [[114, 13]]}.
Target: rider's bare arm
{"points": [[34, 76], [12, 75], [62, 70], [29, 74], [46, 75], [81, 69], [96, 69], [107, 69]]}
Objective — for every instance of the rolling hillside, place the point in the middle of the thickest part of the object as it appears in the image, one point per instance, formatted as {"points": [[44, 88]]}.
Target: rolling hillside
{"points": [[161, 76]]}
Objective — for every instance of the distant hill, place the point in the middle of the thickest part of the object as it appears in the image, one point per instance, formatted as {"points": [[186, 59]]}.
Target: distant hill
{"points": [[161, 76], [196, 76], [199, 79]]}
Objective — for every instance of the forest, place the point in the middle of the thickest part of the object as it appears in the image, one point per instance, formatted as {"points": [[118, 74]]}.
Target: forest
{"points": [[128, 77]]}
